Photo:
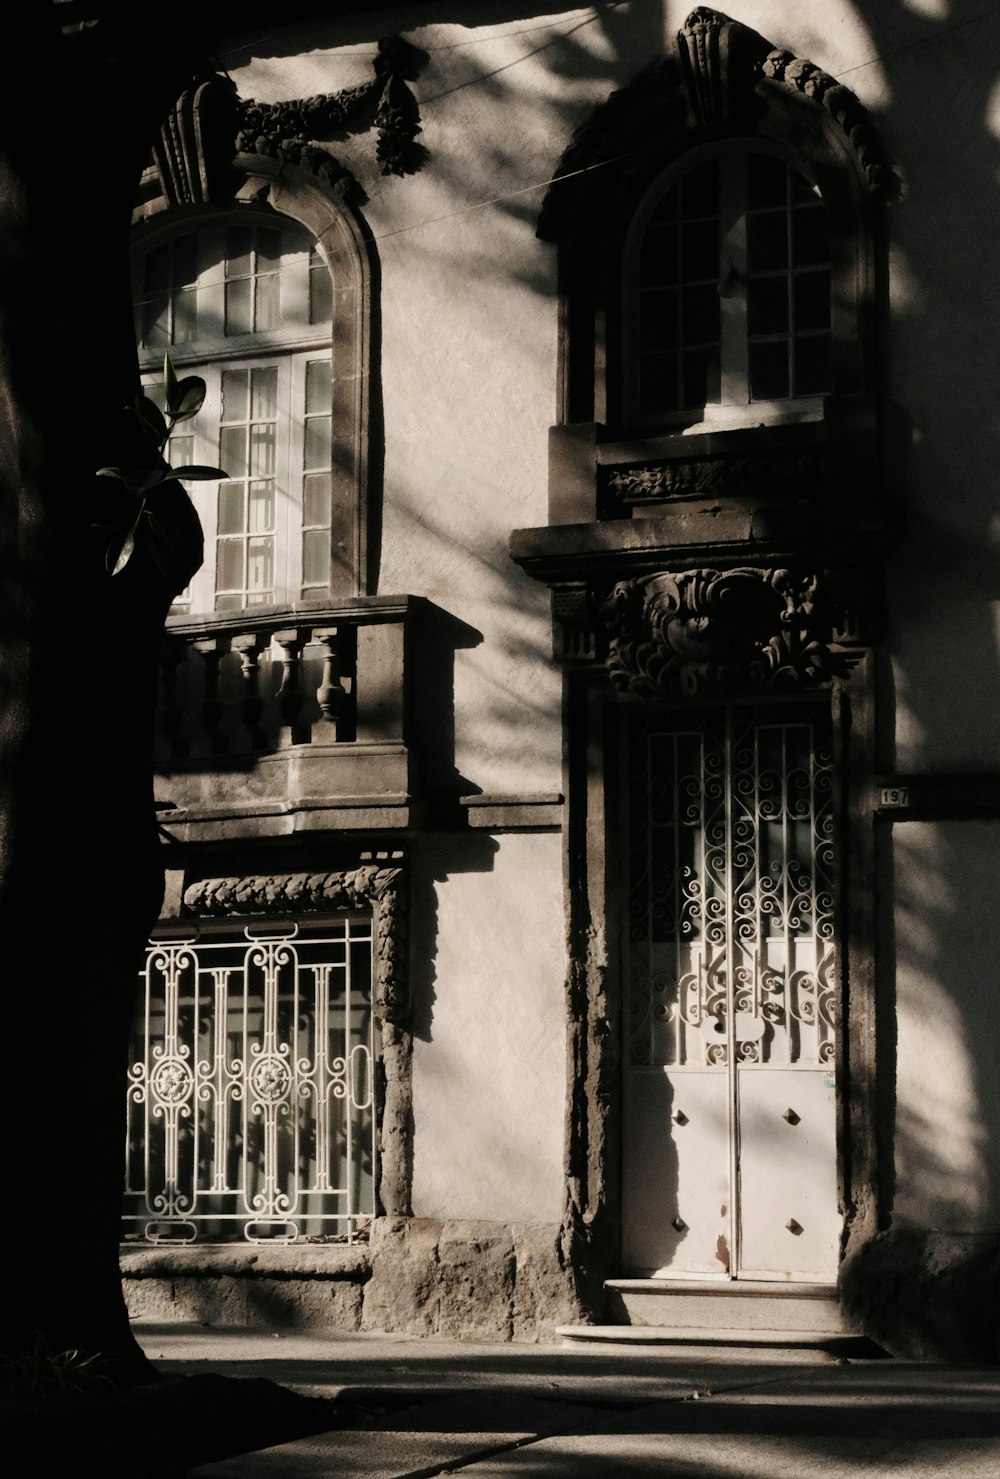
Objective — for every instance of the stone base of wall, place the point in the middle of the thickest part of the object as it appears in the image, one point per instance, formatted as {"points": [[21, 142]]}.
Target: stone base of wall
{"points": [[927, 1296], [464, 1280]]}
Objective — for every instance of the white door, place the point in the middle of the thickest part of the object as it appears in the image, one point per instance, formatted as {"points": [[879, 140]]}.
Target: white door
{"points": [[729, 954]]}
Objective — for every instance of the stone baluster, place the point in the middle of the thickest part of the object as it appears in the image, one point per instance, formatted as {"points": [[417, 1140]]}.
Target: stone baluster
{"points": [[212, 650], [288, 699], [173, 652], [334, 692], [249, 646]]}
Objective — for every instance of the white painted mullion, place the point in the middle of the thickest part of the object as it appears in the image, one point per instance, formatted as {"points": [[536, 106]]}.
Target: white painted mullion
{"points": [[291, 461], [733, 278]]}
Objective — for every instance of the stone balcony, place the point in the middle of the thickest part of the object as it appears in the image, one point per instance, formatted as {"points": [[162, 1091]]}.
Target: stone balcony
{"points": [[286, 720]]}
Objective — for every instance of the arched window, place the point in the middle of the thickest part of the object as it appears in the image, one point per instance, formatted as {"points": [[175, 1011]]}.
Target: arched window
{"points": [[727, 288], [246, 300]]}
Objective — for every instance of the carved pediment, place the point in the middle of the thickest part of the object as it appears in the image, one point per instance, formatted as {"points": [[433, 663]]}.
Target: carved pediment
{"points": [[192, 160], [710, 85], [720, 631]]}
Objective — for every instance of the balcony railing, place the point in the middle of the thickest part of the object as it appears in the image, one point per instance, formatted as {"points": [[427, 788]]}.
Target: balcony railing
{"points": [[254, 682]]}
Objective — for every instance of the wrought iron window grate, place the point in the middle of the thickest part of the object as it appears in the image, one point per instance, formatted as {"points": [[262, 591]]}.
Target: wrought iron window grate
{"points": [[250, 1100], [730, 940]]}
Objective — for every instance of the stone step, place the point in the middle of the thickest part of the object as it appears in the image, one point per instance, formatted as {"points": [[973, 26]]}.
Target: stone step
{"points": [[737, 1305], [708, 1338]]}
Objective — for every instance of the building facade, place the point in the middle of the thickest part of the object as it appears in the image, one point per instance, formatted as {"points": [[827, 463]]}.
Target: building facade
{"points": [[575, 762]]}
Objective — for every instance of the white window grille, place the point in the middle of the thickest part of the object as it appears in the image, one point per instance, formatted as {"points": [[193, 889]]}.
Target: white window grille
{"points": [[250, 1101]]}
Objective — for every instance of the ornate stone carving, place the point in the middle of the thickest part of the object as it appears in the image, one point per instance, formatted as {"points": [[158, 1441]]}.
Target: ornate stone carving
{"points": [[842, 105], [711, 477], [386, 102], [718, 59], [193, 155], [574, 635], [372, 887], [210, 124], [708, 85], [720, 631]]}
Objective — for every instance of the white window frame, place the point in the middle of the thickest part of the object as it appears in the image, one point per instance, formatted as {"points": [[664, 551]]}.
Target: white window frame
{"points": [[289, 347], [735, 407]]}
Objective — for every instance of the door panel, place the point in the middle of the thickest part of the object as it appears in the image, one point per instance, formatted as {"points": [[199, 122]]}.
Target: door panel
{"points": [[789, 1223], [729, 967], [676, 1156]]}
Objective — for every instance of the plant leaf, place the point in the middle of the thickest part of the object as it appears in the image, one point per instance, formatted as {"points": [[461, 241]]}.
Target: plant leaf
{"points": [[110, 472], [188, 399], [151, 417], [125, 554], [195, 473]]}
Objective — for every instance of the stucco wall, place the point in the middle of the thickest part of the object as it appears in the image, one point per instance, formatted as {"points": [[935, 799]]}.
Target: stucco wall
{"points": [[948, 1017], [489, 1062]]}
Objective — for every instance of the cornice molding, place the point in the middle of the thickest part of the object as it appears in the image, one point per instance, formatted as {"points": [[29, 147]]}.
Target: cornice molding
{"points": [[382, 890]]}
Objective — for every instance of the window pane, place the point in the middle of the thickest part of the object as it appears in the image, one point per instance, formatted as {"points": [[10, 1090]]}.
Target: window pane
{"points": [[658, 383], [658, 256], [700, 190], [811, 298], [667, 208], [702, 377], [157, 270], [700, 249], [229, 565], [317, 386], [263, 446], [316, 558], [768, 305], [186, 316], [767, 242], [260, 567], [700, 314], [769, 371], [231, 508], [316, 498], [267, 314], [235, 401], [318, 441], [658, 320], [810, 236], [767, 181], [264, 403], [238, 306], [812, 365], [239, 241], [268, 249], [320, 290], [156, 323], [261, 511], [233, 451], [185, 261]]}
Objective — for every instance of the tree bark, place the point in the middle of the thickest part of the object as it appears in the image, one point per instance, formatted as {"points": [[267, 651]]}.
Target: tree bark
{"points": [[80, 879]]}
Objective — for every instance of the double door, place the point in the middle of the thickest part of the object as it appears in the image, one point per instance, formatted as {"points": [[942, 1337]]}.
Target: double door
{"points": [[729, 1160]]}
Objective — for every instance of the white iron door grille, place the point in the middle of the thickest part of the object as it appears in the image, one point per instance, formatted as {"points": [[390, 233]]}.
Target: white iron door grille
{"points": [[250, 1111], [730, 1144]]}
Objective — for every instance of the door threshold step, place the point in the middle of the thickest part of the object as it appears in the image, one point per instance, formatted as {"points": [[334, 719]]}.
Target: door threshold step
{"points": [[669, 1304], [694, 1335], [760, 1288]]}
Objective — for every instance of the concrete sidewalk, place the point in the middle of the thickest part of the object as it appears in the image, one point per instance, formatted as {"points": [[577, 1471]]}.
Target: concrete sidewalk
{"points": [[510, 1411]]}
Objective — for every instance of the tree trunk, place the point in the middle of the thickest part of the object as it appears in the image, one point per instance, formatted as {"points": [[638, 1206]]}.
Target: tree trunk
{"points": [[80, 879]]}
